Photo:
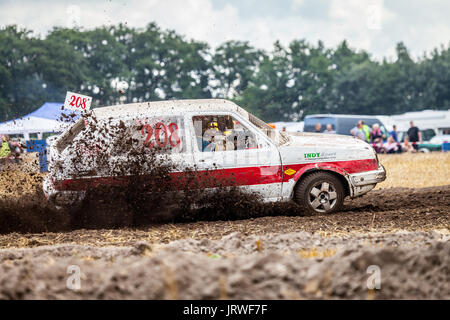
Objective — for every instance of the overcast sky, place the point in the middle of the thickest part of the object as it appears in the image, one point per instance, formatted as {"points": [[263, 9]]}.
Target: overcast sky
{"points": [[373, 25]]}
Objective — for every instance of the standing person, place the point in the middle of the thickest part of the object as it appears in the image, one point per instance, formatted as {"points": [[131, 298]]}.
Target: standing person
{"points": [[376, 134], [393, 133], [318, 127], [5, 151], [366, 130], [377, 137], [329, 129], [358, 131], [414, 135]]}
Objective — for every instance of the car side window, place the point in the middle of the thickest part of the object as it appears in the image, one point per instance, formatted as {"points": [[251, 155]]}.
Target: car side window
{"points": [[222, 133]]}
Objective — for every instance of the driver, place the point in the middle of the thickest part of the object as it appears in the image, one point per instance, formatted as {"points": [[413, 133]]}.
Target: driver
{"points": [[216, 138]]}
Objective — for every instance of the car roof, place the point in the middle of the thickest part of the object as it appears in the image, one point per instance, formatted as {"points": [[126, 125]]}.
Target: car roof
{"points": [[168, 107]]}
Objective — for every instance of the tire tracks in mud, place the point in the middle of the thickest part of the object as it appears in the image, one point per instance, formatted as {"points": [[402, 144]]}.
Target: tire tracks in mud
{"points": [[403, 231], [380, 211]]}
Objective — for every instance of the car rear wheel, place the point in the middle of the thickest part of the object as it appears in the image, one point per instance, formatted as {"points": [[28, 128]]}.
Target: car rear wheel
{"points": [[320, 193]]}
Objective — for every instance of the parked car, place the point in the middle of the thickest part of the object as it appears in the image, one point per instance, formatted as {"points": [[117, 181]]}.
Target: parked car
{"points": [[440, 139], [316, 170], [427, 134], [435, 143], [341, 123], [428, 137]]}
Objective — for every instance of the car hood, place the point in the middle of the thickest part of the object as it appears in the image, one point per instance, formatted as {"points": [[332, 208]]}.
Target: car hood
{"points": [[317, 147], [306, 139]]}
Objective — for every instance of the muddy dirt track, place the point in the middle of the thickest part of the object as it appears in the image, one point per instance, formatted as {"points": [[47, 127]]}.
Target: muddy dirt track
{"points": [[404, 232], [382, 211]]}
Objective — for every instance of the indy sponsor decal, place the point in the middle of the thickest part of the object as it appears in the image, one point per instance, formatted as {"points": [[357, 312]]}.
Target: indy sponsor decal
{"points": [[320, 156]]}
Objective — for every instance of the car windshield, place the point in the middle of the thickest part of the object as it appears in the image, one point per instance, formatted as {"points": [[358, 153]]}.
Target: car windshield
{"points": [[276, 136], [67, 137]]}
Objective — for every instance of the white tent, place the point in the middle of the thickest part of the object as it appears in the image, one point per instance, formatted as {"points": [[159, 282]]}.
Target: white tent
{"points": [[46, 119], [438, 120], [30, 125]]}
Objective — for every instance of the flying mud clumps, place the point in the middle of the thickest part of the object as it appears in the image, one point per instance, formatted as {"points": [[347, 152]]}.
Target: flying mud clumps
{"points": [[23, 207], [123, 182], [137, 184], [133, 184]]}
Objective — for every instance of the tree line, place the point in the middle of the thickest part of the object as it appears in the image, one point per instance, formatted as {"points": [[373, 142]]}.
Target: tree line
{"points": [[120, 64]]}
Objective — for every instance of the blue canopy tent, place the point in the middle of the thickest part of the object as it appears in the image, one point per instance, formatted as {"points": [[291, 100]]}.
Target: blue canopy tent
{"points": [[51, 110], [49, 118]]}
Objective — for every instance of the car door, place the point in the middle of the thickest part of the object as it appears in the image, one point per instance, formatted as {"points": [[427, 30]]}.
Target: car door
{"points": [[167, 136], [229, 151]]}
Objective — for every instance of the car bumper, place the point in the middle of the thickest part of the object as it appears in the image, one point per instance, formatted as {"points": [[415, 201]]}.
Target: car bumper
{"points": [[363, 182], [60, 198]]}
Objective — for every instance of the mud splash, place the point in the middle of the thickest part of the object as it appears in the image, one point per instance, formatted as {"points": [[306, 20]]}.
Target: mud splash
{"points": [[23, 207]]}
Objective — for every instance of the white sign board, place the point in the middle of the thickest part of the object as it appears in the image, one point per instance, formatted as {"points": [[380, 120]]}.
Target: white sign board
{"points": [[76, 101]]}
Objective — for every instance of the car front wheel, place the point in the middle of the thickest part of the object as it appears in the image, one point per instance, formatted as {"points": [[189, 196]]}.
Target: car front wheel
{"points": [[320, 193]]}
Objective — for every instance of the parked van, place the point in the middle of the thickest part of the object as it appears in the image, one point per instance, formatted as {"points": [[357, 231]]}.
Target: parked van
{"points": [[341, 123]]}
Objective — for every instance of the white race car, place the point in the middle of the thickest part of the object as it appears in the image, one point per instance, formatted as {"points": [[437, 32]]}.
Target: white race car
{"points": [[216, 136]]}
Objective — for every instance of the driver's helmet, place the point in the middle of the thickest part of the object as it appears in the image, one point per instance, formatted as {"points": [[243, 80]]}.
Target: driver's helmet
{"points": [[213, 125]]}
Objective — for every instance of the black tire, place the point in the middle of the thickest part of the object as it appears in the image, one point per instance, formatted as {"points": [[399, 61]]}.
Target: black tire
{"points": [[322, 200]]}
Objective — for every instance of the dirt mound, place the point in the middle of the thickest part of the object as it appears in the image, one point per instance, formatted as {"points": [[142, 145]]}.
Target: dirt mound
{"points": [[302, 242], [143, 271]]}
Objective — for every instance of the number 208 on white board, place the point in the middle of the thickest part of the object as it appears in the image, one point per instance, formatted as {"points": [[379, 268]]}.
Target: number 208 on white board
{"points": [[76, 101]]}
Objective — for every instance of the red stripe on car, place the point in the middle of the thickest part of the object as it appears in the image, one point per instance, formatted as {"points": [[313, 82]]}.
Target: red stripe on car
{"points": [[241, 176]]}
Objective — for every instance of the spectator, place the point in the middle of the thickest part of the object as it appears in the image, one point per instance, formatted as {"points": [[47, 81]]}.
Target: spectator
{"points": [[376, 134], [366, 130], [407, 147], [393, 133], [6, 147], [329, 129], [390, 146], [358, 131], [414, 135], [6, 151], [284, 129], [318, 127]]}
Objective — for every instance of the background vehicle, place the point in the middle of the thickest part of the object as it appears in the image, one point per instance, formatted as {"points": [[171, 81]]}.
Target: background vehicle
{"points": [[435, 143], [440, 139], [427, 134], [342, 124]]}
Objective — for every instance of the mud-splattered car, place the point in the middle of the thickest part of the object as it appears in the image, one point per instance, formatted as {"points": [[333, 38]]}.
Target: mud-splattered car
{"points": [[216, 136]]}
